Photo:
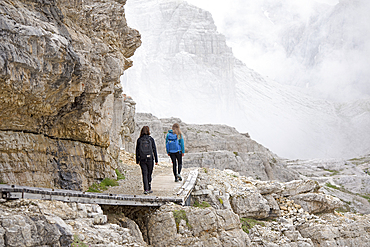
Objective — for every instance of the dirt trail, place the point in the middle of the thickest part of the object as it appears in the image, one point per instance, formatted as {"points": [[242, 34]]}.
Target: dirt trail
{"points": [[163, 181]]}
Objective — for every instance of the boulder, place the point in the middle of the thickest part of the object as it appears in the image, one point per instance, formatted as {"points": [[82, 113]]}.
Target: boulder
{"points": [[195, 227], [269, 187], [296, 187], [317, 203], [250, 205]]}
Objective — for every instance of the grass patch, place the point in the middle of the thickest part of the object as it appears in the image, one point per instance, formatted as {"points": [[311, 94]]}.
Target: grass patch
{"points": [[108, 182], [201, 205], [77, 242], [98, 188], [333, 172], [248, 224], [180, 215], [332, 186], [94, 188], [366, 197], [120, 176], [221, 201]]}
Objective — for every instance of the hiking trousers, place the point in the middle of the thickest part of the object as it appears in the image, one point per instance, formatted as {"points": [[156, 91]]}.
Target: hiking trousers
{"points": [[176, 159], [146, 172]]}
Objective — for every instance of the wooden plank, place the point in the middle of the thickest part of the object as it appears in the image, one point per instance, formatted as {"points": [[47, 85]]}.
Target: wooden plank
{"points": [[19, 192], [188, 186], [25, 192]]}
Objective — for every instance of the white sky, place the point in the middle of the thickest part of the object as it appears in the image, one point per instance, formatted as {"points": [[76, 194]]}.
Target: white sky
{"points": [[218, 8]]}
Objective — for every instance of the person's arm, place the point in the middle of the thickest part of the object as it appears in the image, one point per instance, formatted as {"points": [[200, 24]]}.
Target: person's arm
{"points": [[182, 144], [137, 151], [154, 151], [166, 145]]}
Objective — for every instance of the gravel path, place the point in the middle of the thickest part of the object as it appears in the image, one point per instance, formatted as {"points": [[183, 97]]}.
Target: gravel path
{"points": [[133, 185]]}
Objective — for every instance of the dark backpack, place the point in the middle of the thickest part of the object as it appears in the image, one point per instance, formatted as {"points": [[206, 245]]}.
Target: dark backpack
{"points": [[145, 149], [172, 145]]}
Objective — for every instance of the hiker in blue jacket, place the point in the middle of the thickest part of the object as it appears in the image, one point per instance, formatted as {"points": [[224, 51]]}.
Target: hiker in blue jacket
{"points": [[175, 149], [146, 153]]}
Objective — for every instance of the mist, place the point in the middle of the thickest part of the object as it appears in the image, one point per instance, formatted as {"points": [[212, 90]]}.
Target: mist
{"points": [[321, 47], [272, 75]]}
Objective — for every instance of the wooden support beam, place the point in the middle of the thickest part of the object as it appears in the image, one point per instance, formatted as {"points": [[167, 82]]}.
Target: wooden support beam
{"points": [[10, 192]]}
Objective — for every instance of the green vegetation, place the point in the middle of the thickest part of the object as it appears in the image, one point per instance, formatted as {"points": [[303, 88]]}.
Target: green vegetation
{"points": [[366, 197], [236, 153], [103, 185], [2, 182], [221, 201], [77, 242], [333, 172], [205, 170], [120, 176], [98, 188], [360, 161], [180, 215], [201, 205], [248, 223], [332, 186]]}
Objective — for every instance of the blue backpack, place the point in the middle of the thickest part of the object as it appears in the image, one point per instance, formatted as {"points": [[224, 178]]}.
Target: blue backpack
{"points": [[172, 145]]}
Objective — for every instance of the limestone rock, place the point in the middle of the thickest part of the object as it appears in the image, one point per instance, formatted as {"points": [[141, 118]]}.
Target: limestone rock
{"points": [[61, 103], [348, 180], [250, 205], [345, 230], [128, 125], [269, 187], [274, 207], [317, 203], [52, 223], [296, 187], [162, 227], [195, 227]]}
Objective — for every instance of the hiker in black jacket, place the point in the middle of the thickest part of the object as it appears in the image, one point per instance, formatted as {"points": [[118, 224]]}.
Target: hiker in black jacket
{"points": [[146, 153]]}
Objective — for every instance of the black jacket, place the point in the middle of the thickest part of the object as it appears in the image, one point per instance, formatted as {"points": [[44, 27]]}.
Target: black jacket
{"points": [[138, 158]]}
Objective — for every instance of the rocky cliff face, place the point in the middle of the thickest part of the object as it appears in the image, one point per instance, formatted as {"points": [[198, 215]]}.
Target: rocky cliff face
{"points": [[218, 146], [61, 103]]}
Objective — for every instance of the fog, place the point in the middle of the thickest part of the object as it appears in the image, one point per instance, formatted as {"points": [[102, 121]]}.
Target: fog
{"points": [[296, 59], [322, 47]]}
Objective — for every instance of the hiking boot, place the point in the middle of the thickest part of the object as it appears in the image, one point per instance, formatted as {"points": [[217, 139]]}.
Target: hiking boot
{"points": [[176, 179], [150, 191], [146, 192], [179, 177]]}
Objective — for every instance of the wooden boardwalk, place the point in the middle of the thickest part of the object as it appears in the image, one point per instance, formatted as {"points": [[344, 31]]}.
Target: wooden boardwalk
{"points": [[10, 192]]}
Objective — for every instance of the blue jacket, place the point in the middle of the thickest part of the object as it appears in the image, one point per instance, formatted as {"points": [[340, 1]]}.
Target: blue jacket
{"points": [[181, 142]]}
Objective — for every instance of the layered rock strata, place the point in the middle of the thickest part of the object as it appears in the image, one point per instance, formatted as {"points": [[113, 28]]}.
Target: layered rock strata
{"points": [[218, 146], [61, 103]]}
